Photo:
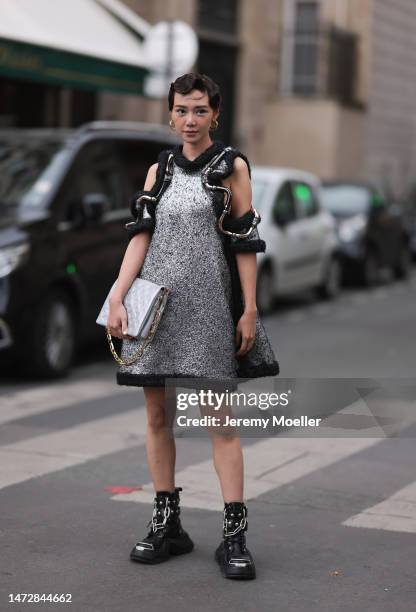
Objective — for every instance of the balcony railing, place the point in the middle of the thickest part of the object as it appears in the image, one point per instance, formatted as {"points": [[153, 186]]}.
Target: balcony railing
{"points": [[320, 63]]}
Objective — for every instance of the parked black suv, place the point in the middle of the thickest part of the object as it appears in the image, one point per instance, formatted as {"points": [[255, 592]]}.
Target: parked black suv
{"points": [[64, 200]]}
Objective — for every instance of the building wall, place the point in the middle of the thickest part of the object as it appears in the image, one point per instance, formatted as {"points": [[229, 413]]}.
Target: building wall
{"points": [[391, 123], [315, 135], [258, 76], [376, 139], [319, 134]]}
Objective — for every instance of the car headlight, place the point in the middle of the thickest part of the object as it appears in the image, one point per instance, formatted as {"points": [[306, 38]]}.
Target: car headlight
{"points": [[12, 257], [352, 229]]}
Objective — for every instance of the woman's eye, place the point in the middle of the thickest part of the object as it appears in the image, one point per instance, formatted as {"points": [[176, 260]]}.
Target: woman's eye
{"points": [[201, 112]]}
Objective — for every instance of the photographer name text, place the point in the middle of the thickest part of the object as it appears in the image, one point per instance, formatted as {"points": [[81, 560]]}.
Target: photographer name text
{"points": [[279, 421]]}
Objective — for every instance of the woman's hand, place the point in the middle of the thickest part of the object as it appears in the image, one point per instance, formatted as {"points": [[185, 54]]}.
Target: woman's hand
{"points": [[246, 331], [117, 320]]}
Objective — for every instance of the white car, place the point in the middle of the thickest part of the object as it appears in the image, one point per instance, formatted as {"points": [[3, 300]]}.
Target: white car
{"points": [[300, 235]]}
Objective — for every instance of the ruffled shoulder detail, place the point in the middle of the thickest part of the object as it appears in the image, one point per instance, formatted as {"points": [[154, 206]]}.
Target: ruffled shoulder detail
{"points": [[226, 166], [222, 169], [160, 173], [143, 202]]}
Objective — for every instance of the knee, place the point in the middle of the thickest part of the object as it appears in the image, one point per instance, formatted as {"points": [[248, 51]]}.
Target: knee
{"points": [[156, 417]]}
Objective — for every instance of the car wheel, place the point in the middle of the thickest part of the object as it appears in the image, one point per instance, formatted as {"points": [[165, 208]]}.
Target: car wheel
{"points": [[331, 285], [370, 270], [265, 296], [402, 267], [53, 340]]}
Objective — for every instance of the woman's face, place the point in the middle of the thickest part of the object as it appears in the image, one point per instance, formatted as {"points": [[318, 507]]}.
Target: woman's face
{"points": [[192, 115]]}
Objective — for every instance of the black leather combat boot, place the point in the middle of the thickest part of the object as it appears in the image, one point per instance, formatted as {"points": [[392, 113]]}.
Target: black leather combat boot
{"points": [[166, 536], [232, 555]]}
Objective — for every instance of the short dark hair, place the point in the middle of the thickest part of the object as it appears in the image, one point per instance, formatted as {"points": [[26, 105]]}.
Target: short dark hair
{"points": [[194, 80]]}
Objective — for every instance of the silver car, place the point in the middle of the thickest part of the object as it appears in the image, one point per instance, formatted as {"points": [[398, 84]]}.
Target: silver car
{"points": [[302, 244]]}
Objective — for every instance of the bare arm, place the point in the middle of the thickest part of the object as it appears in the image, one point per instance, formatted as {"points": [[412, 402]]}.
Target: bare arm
{"points": [[246, 262], [132, 262]]}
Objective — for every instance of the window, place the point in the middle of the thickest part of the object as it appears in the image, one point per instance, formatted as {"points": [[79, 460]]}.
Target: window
{"points": [[136, 157], [218, 15], [306, 16], [344, 200], [301, 47], [28, 169], [284, 205], [305, 51], [306, 202], [96, 170]]}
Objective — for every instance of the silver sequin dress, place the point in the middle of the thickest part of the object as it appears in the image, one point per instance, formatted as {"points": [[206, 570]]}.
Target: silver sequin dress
{"points": [[196, 334]]}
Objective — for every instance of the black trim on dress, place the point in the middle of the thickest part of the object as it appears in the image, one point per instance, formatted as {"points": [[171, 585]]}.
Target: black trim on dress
{"points": [[192, 165]]}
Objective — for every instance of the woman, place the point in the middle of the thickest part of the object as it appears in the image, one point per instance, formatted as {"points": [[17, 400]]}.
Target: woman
{"points": [[210, 326]]}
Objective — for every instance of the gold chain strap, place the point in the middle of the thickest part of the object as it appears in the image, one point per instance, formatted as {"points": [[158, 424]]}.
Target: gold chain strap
{"points": [[147, 340]]}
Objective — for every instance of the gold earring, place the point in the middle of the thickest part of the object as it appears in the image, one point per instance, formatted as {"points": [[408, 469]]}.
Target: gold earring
{"points": [[214, 127], [172, 125]]}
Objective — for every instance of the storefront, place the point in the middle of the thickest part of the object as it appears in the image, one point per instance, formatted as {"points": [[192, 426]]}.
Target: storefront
{"points": [[55, 57]]}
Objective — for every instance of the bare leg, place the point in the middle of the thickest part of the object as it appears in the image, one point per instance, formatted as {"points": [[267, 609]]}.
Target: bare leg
{"points": [[229, 465], [227, 455], [160, 442]]}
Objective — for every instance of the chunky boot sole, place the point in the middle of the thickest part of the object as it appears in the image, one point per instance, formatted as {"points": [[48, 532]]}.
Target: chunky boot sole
{"points": [[234, 571], [181, 545], [170, 546]]}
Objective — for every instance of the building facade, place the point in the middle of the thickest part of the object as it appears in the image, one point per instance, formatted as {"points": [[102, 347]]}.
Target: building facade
{"points": [[323, 85]]}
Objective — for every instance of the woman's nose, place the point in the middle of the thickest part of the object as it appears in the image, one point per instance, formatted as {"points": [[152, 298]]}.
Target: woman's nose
{"points": [[190, 119]]}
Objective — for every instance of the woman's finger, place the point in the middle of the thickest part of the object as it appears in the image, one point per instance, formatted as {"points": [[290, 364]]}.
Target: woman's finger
{"points": [[243, 347], [246, 345]]}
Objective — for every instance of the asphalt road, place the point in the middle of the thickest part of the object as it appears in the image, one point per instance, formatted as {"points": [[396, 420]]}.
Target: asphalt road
{"points": [[332, 519]]}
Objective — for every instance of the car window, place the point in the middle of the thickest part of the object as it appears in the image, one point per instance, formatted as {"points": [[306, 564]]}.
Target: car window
{"points": [[28, 170], [284, 204], [136, 157], [96, 170], [258, 189], [343, 199], [305, 199]]}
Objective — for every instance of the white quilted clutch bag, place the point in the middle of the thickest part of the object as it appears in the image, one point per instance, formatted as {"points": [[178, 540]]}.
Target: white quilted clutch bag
{"points": [[144, 303]]}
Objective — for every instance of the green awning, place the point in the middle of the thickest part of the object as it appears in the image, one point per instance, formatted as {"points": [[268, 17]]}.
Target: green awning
{"points": [[35, 63], [79, 44]]}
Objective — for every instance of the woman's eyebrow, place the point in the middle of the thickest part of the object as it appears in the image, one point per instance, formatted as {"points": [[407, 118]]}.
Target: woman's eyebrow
{"points": [[198, 106]]}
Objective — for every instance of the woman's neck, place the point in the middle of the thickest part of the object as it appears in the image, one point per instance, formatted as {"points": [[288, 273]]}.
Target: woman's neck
{"points": [[192, 151]]}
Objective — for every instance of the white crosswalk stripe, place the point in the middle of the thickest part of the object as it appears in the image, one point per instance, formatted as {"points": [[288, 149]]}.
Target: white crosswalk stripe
{"points": [[396, 513], [16, 404], [269, 463], [55, 451]]}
